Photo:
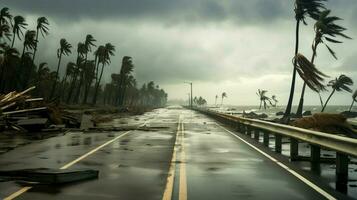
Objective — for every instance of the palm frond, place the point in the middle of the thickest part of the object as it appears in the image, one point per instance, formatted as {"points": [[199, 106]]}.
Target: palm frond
{"points": [[309, 73]]}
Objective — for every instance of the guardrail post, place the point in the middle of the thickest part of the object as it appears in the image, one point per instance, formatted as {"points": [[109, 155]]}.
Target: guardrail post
{"points": [[278, 141], [341, 172], [294, 149], [315, 158], [256, 134], [315, 153], [249, 131], [266, 138]]}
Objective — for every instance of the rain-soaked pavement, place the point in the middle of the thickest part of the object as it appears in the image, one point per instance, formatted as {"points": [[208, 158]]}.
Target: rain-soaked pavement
{"points": [[209, 162]]}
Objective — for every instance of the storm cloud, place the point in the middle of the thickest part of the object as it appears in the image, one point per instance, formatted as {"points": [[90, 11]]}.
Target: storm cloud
{"points": [[234, 46]]}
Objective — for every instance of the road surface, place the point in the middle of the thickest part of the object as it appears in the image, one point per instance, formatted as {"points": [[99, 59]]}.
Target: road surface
{"points": [[179, 154]]}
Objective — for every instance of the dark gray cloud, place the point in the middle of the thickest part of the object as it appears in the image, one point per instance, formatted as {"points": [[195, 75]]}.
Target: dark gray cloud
{"points": [[169, 11]]}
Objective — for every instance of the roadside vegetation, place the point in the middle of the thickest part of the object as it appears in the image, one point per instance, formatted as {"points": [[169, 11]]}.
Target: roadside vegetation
{"points": [[82, 83]]}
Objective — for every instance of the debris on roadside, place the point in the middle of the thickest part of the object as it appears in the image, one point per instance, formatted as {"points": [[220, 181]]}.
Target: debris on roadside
{"points": [[48, 176], [22, 113]]}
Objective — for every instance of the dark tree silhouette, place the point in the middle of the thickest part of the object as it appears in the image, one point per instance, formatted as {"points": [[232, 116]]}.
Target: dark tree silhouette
{"points": [[341, 83], [65, 49], [303, 8], [42, 26], [19, 24]]}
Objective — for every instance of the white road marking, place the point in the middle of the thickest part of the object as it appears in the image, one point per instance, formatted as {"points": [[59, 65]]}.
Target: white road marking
{"points": [[27, 188], [297, 175]]}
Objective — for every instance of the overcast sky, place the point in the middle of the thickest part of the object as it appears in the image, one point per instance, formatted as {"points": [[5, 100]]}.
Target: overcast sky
{"points": [[232, 46]]}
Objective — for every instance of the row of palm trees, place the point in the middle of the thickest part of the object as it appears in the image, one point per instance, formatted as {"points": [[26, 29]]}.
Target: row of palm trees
{"points": [[223, 95], [83, 76], [326, 32]]}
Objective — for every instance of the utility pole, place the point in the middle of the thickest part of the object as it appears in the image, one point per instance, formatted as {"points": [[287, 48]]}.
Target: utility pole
{"points": [[191, 99]]}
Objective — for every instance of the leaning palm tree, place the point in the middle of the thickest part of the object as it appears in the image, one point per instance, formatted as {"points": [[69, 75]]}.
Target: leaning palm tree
{"points": [[125, 71], [26, 61], [42, 26], [264, 100], [303, 8], [81, 50], [65, 49], [354, 99], [325, 31], [339, 84], [19, 24], [5, 16], [104, 59], [5, 21], [273, 98], [88, 43], [29, 41], [224, 95]]}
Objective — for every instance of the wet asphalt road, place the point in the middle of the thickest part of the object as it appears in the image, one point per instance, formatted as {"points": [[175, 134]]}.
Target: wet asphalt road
{"points": [[210, 163]]}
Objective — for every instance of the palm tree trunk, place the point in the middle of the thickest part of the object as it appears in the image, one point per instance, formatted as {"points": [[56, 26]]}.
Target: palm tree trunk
{"points": [[260, 106], [13, 40], [78, 92], [87, 86], [353, 101], [301, 102], [328, 99], [97, 86], [35, 50], [292, 89], [55, 83]]}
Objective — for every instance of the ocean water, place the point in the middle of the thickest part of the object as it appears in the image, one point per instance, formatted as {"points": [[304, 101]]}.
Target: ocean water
{"points": [[271, 111]]}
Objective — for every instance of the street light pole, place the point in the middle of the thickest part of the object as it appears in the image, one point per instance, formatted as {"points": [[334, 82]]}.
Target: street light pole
{"points": [[191, 99]]}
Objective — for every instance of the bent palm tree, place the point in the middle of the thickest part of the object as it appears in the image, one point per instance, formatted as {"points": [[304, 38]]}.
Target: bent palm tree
{"points": [[65, 49], [42, 26], [354, 99], [29, 41], [79, 65], [302, 9], [125, 71], [26, 61], [5, 21], [325, 31], [104, 59], [88, 43], [339, 84], [19, 24], [5, 16], [263, 98], [275, 100], [224, 95]]}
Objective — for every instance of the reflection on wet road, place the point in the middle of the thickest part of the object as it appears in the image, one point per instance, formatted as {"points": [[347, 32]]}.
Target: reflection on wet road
{"points": [[187, 156]]}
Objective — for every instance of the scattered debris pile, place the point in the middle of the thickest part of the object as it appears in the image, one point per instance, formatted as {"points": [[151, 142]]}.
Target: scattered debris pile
{"points": [[328, 123], [20, 112]]}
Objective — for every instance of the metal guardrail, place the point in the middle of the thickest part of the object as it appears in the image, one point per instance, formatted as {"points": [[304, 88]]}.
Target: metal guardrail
{"points": [[324, 140]]}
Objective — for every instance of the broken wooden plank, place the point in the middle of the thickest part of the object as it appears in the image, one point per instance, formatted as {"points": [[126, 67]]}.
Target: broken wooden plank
{"points": [[24, 111]]}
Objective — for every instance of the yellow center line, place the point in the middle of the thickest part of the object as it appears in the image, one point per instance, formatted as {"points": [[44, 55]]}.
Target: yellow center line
{"points": [[183, 180], [171, 175], [27, 188]]}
